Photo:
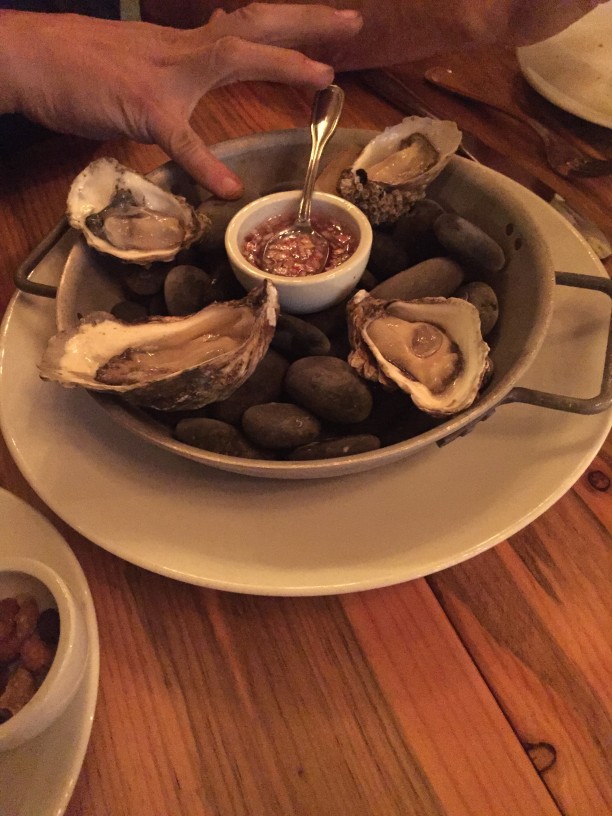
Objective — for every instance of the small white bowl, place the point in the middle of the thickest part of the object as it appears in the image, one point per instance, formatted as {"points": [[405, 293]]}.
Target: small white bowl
{"points": [[27, 575], [313, 292]]}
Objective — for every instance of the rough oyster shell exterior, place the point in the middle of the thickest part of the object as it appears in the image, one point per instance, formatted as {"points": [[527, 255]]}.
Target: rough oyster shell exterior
{"points": [[75, 357], [456, 318], [384, 202], [104, 180]]}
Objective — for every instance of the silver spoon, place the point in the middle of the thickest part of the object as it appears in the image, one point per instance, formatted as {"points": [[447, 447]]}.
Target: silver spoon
{"points": [[563, 158], [308, 246]]}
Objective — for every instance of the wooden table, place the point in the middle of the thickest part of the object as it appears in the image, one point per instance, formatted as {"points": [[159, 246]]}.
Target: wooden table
{"points": [[481, 690]]}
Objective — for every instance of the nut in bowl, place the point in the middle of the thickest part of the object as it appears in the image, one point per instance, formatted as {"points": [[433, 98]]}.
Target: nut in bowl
{"points": [[350, 236], [43, 649]]}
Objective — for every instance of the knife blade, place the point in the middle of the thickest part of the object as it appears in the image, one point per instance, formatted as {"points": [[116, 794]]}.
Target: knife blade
{"points": [[397, 93]]}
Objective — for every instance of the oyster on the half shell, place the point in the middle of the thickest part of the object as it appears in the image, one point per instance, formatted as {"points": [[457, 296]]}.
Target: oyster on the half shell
{"points": [[167, 363], [121, 213], [396, 167], [431, 348]]}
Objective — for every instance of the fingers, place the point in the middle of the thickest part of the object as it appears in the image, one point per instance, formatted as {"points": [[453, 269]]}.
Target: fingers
{"points": [[290, 26], [218, 12], [185, 147], [256, 42], [232, 59]]}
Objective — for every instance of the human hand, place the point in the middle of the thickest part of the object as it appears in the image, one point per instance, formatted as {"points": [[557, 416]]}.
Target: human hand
{"points": [[102, 79]]}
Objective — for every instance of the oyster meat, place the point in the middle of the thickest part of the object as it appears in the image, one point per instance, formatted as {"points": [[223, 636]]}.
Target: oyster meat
{"points": [[431, 348], [396, 167], [167, 363], [121, 213]]}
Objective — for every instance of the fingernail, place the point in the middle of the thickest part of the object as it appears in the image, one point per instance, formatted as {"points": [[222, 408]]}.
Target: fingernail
{"points": [[348, 14], [230, 187], [326, 72]]}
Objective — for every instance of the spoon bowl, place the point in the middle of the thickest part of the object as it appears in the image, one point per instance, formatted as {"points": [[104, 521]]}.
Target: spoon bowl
{"points": [[297, 248], [300, 249]]}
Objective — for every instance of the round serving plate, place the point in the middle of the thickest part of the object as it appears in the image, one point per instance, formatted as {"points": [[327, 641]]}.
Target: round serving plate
{"points": [[197, 524], [573, 69], [275, 160]]}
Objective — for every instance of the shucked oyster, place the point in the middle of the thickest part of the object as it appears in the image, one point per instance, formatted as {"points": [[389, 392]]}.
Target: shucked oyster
{"points": [[431, 348], [167, 363], [123, 214], [396, 167]]}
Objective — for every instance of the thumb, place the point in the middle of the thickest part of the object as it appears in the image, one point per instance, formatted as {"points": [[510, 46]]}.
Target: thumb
{"points": [[182, 144]]}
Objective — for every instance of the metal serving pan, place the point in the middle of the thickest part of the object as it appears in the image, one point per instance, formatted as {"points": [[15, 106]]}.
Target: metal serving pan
{"points": [[277, 160]]}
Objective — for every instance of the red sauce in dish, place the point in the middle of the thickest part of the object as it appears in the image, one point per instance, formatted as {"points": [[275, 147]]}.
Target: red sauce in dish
{"points": [[297, 257]]}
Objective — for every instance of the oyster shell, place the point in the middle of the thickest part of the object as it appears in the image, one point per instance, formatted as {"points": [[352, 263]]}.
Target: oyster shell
{"points": [[167, 363], [396, 167], [121, 213], [431, 348]]}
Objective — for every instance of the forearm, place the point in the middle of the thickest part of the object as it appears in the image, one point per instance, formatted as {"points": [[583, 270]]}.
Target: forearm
{"points": [[49, 64], [400, 30], [10, 36]]}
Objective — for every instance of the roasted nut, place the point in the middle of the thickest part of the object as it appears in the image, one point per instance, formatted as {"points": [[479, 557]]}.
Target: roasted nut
{"points": [[9, 649], [20, 688], [23, 654], [36, 655], [8, 611], [25, 619]]}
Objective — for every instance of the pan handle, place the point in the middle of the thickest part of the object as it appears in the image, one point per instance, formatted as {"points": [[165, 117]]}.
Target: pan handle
{"points": [[21, 278], [559, 402]]}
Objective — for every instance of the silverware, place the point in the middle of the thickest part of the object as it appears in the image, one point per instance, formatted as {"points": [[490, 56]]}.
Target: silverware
{"points": [[564, 159], [326, 110]]}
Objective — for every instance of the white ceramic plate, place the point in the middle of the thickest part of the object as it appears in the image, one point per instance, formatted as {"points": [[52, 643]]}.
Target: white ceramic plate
{"points": [[37, 779], [573, 69], [182, 519]]}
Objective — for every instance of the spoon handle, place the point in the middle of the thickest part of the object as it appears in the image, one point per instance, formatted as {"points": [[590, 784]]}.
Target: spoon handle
{"points": [[447, 79], [326, 110]]}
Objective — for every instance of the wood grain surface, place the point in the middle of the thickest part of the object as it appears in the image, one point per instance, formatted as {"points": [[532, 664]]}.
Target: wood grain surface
{"points": [[481, 690], [515, 148]]}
